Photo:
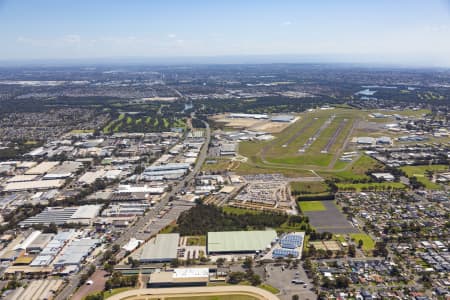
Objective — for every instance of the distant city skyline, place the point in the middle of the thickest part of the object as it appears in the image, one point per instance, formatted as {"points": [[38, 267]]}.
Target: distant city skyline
{"points": [[393, 32]]}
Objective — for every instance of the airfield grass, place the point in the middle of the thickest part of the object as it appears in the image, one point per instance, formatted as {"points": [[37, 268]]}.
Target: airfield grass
{"points": [[368, 243], [281, 155], [371, 186], [420, 173], [220, 165], [306, 206], [260, 168], [356, 171], [282, 152], [298, 187]]}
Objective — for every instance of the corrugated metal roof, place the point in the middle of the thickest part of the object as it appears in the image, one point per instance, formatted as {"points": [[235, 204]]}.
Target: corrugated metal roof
{"points": [[163, 248], [240, 241]]}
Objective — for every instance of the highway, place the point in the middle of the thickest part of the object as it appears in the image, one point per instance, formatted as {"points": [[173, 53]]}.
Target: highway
{"points": [[72, 285]]}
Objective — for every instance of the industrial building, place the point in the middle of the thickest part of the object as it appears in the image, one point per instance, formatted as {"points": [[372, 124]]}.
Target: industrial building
{"points": [[64, 215], [168, 171], [240, 241], [76, 252], [39, 243], [180, 277], [290, 245], [163, 248], [144, 189], [282, 118], [52, 249], [33, 185], [42, 168], [228, 149]]}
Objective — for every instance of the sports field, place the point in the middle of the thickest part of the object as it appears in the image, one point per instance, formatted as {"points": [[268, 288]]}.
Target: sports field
{"points": [[306, 206]]}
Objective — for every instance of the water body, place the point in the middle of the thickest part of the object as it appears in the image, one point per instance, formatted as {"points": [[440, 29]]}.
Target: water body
{"points": [[188, 106], [366, 92]]}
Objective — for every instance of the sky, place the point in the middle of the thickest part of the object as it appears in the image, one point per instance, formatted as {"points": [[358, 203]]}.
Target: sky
{"points": [[386, 31]]}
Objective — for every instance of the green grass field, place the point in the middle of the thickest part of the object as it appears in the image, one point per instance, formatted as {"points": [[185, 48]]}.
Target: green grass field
{"points": [[269, 288], [420, 172], [308, 187], [196, 240], [311, 206], [282, 154], [368, 243]]}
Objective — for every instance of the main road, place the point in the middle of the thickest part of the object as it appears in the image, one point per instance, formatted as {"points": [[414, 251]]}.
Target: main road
{"points": [[74, 280]]}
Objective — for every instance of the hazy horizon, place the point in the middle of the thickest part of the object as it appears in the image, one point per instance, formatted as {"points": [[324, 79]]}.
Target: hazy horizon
{"points": [[412, 33]]}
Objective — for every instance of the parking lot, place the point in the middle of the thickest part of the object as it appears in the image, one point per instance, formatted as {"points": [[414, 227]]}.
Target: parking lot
{"points": [[281, 278]]}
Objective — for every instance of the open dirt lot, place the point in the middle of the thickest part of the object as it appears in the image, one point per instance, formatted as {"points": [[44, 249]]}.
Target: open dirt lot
{"points": [[330, 220], [251, 124]]}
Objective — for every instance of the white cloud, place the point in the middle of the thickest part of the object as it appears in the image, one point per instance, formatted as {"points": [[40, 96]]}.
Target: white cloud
{"points": [[286, 23], [171, 35]]}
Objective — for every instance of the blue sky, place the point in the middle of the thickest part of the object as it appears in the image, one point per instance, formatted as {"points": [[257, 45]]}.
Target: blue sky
{"points": [[371, 30]]}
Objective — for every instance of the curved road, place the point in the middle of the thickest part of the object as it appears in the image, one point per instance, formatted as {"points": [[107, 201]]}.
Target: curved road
{"points": [[196, 291]]}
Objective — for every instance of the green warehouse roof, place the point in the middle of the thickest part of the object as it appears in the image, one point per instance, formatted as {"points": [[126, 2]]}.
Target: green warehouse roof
{"points": [[240, 241]]}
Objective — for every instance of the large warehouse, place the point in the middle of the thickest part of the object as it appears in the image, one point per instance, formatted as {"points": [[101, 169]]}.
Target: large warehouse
{"points": [[240, 241], [163, 248]]}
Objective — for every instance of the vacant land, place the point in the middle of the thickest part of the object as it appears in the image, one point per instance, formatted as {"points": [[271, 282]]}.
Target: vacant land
{"points": [[422, 173], [307, 206], [250, 123], [330, 220], [298, 187], [368, 243], [196, 240]]}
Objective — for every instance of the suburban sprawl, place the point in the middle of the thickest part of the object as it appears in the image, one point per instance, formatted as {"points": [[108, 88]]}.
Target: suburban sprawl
{"points": [[278, 181]]}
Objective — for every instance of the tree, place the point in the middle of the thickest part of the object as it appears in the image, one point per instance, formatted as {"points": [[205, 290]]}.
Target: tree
{"points": [[248, 263], [220, 261], [360, 244], [236, 277], [175, 263], [255, 279], [108, 267], [351, 251], [52, 228], [342, 282], [115, 248]]}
